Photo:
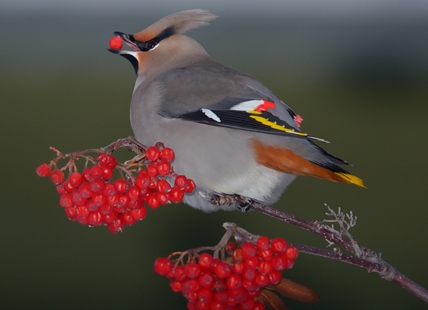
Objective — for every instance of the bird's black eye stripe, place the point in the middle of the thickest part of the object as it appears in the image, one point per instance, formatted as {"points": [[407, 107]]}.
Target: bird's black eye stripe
{"points": [[165, 34], [151, 44]]}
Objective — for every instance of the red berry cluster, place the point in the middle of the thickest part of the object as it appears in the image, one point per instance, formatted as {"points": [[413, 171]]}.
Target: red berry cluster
{"points": [[233, 283], [93, 198]]}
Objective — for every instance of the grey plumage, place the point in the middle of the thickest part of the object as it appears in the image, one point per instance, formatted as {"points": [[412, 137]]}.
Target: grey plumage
{"points": [[178, 85]]}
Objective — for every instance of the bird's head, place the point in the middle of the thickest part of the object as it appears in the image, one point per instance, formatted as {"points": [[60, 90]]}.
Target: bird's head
{"points": [[162, 46]]}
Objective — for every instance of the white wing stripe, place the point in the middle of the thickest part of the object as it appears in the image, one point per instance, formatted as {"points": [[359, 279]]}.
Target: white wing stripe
{"points": [[249, 105], [211, 114]]}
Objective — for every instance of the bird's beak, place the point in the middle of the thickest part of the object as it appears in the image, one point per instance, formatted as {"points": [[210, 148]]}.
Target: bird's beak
{"points": [[128, 39]]}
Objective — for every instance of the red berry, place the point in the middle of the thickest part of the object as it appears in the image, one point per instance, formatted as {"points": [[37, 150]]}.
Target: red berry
{"points": [[152, 153], [127, 218], [123, 201], [167, 154], [164, 168], [116, 226], [62, 190], [259, 306], [251, 263], [43, 170], [205, 295], [192, 270], [95, 219], [86, 174], [179, 273], [110, 218], [249, 274], [238, 268], [78, 200], [152, 201], [265, 267], [85, 190], [238, 255], [75, 179], [107, 173], [134, 193], [219, 286], [105, 209], [279, 245], [279, 263], [206, 279], [250, 286], [205, 260], [233, 281], [275, 277], [163, 198], [71, 213], [263, 243], [91, 205], [67, 186], [97, 186], [163, 186], [266, 254], [138, 214], [180, 181], [96, 172], [152, 169], [121, 185], [291, 253], [237, 295], [190, 186], [110, 190], [175, 286], [57, 176], [261, 280], [249, 304], [99, 199], [115, 43], [248, 250], [143, 180], [200, 305], [133, 204], [191, 285], [230, 247], [113, 200], [66, 201], [222, 270], [107, 160], [153, 183], [176, 195], [220, 297], [82, 211]]}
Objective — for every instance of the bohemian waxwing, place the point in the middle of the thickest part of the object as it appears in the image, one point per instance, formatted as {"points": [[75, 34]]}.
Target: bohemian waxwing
{"points": [[230, 133]]}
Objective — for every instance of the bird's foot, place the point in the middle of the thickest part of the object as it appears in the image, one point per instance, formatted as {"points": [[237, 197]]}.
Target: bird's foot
{"points": [[241, 203]]}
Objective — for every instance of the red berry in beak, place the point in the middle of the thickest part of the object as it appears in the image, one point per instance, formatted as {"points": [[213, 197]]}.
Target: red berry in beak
{"points": [[116, 43]]}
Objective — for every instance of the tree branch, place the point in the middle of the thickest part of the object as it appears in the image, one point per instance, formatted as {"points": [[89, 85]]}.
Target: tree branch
{"points": [[361, 256]]}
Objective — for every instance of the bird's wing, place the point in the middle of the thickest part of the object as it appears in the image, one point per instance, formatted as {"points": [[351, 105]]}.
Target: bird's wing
{"points": [[212, 94], [227, 98]]}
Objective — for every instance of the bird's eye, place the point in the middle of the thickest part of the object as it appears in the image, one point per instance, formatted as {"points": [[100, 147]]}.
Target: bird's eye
{"points": [[151, 44]]}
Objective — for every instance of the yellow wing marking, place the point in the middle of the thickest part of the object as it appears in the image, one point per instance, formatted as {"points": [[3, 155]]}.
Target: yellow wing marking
{"points": [[274, 125]]}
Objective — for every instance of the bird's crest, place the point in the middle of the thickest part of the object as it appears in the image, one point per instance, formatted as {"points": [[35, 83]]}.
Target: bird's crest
{"points": [[177, 23]]}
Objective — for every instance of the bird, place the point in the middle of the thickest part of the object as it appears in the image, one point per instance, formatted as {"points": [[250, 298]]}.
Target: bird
{"points": [[231, 135]]}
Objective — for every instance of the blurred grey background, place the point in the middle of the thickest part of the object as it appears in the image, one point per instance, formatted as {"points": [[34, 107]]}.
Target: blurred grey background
{"points": [[357, 71]]}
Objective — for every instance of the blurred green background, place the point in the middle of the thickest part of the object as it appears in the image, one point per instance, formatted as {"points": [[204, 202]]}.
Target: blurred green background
{"points": [[358, 76]]}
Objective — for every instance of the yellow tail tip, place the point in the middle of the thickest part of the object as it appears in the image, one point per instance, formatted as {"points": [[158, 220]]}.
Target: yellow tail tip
{"points": [[350, 178]]}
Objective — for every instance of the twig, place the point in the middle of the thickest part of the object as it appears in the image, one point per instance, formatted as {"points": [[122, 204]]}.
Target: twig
{"points": [[361, 256]]}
